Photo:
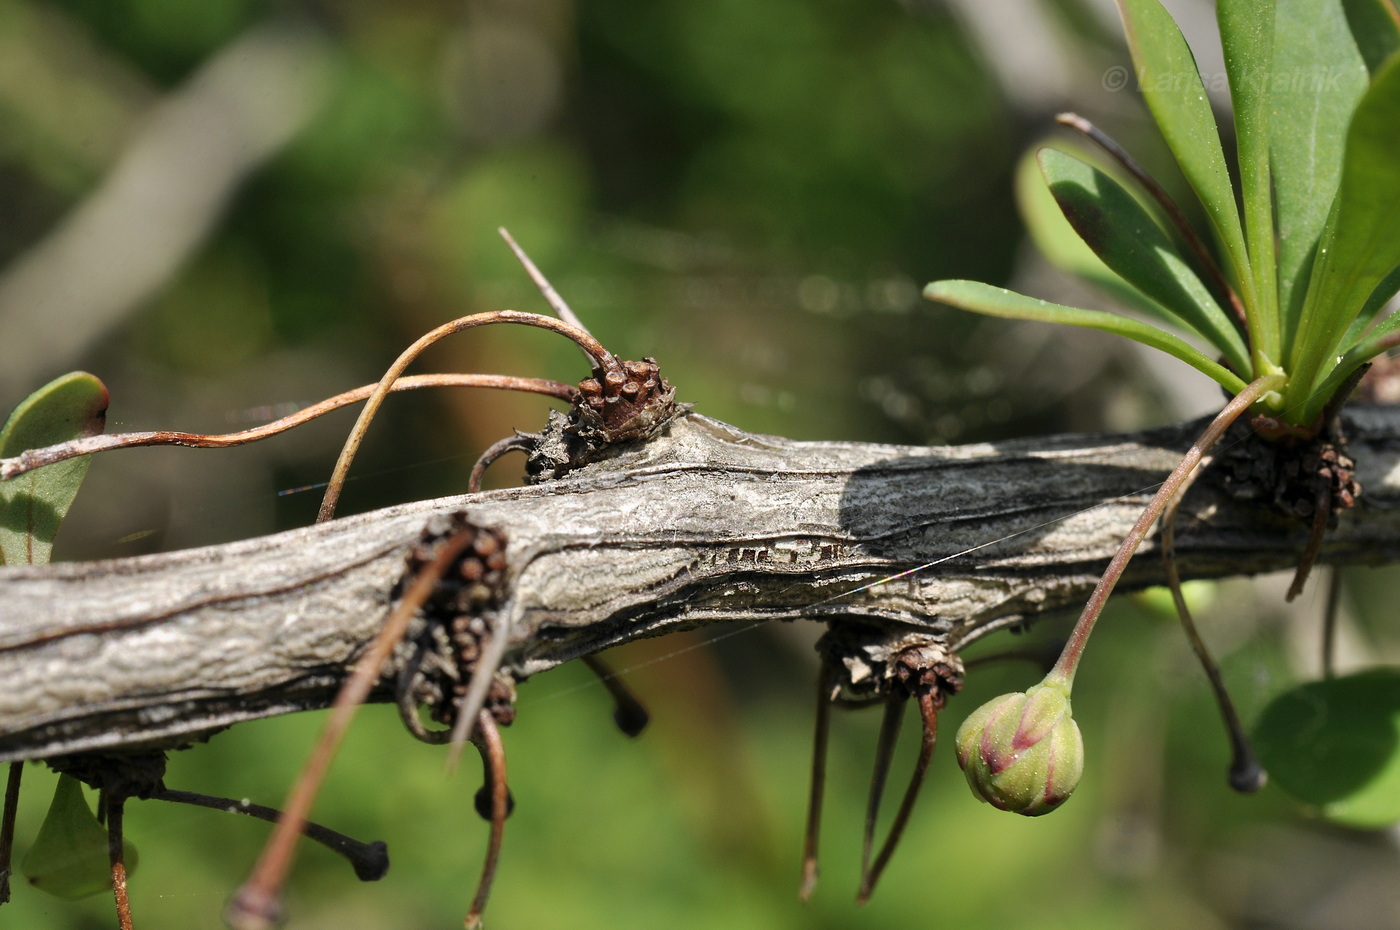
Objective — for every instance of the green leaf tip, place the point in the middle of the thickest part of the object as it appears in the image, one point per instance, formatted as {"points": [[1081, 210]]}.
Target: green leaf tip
{"points": [[997, 301], [69, 858]]}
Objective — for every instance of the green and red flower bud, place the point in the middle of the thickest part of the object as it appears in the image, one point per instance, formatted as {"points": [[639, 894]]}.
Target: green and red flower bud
{"points": [[1022, 752]]}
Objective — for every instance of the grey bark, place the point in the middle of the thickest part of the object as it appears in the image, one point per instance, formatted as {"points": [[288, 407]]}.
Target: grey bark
{"points": [[702, 524]]}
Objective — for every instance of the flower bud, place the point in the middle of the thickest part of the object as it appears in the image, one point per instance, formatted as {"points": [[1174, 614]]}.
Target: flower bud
{"points": [[1022, 752]]}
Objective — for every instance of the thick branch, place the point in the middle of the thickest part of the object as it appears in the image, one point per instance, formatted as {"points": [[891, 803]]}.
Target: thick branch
{"points": [[703, 524]]}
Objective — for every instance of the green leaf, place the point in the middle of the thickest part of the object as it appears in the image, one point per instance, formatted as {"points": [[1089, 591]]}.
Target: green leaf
{"points": [[1128, 240], [1375, 25], [996, 301], [1247, 35], [1316, 79], [1172, 87], [1361, 248], [33, 505], [1335, 744], [1061, 245], [69, 858]]}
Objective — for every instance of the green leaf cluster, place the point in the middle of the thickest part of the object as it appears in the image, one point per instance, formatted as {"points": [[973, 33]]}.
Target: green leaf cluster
{"points": [[1311, 247]]}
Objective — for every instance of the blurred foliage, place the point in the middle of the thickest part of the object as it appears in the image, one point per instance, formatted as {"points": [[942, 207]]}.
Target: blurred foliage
{"points": [[750, 192]]}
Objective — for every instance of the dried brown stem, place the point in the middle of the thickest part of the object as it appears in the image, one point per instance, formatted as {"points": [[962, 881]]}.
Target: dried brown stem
{"points": [[1246, 774], [826, 688], [928, 715], [1329, 624], [369, 860], [884, 753], [592, 348], [495, 451], [37, 458], [256, 905], [114, 808], [551, 296], [488, 740], [629, 713]]}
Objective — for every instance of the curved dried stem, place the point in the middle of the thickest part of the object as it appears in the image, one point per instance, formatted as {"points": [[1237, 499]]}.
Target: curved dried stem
{"points": [[369, 860], [493, 755], [1246, 774], [37, 458], [928, 715], [629, 713], [493, 452], [600, 357], [256, 905]]}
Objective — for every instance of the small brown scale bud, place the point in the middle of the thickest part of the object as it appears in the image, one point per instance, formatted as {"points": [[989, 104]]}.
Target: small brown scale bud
{"points": [[463, 598], [626, 402]]}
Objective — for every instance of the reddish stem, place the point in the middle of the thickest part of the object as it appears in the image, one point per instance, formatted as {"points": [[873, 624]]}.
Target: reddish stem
{"points": [[116, 854], [1074, 648], [37, 458], [601, 357], [256, 905]]}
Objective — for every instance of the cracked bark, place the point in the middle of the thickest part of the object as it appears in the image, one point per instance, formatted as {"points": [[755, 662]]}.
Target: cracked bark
{"points": [[702, 524]]}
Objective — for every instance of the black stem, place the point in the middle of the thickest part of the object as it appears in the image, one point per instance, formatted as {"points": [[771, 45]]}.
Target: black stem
{"points": [[826, 688], [629, 713], [369, 860], [1246, 774], [7, 827]]}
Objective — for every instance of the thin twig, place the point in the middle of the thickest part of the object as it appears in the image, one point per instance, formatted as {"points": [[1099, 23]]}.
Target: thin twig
{"points": [[1329, 624], [551, 296], [884, 753], [369, 860], [117, 854], [1074, 646], [1246, 774], [600, 356], [37, 458], [7, 828], [493, 452], [928, 715], [826, 688], [629, 713], [488, 739], [256, 905]]}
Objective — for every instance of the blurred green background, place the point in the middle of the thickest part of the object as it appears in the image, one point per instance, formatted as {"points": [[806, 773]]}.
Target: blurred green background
{"points": [[232, 208]]}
